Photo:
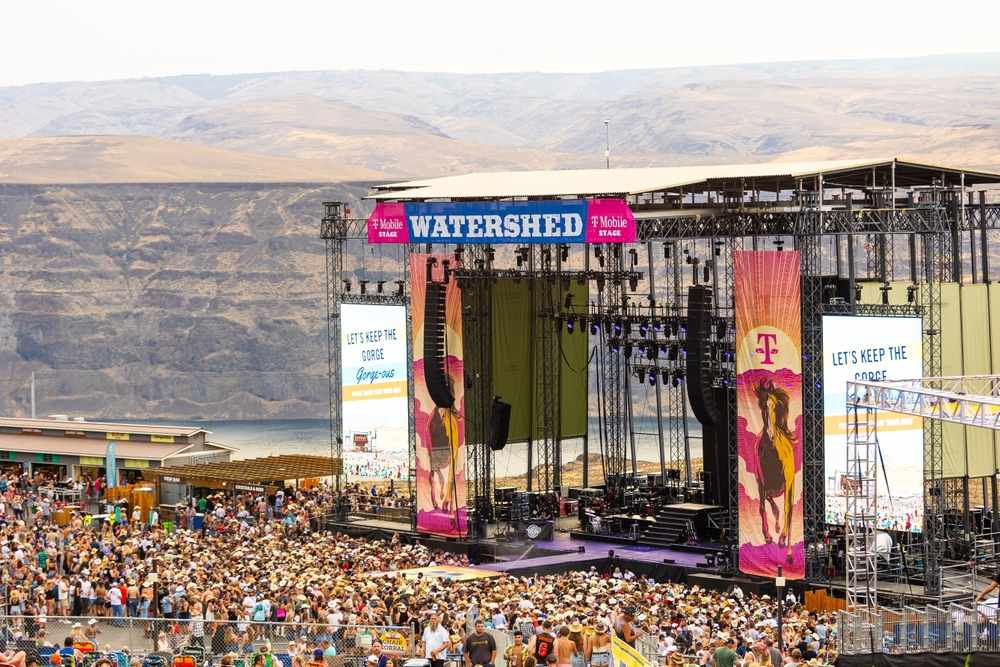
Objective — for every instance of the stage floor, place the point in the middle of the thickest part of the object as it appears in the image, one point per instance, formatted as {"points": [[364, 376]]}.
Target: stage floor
{"points": [[568, 548]]}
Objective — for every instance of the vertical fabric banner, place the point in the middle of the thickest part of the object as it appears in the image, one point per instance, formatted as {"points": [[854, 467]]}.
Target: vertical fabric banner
{"points": [[110, 466], [439, 396], [769, 399]]}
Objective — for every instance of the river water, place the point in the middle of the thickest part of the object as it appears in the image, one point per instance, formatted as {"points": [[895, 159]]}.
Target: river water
{"points": [[272, 437]]}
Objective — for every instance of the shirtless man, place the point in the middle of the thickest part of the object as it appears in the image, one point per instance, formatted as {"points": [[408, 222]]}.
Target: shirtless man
{"points": [[564, 647]]}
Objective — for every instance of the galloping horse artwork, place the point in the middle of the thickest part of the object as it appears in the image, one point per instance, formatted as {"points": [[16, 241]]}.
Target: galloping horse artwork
{"points": [[769, 412], [775, 463]]}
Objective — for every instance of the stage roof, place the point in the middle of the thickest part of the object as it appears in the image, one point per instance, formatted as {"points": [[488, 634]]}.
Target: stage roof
{"points": [[622, 182]]}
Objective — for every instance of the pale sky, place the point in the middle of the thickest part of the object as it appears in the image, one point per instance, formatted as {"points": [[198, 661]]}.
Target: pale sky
{"points": [[90, 40]]}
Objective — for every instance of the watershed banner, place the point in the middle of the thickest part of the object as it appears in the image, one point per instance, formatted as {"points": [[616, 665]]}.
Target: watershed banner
{"points": [[374, 392], [769, 399], [440, 429], [877, 349], [549, 221]]}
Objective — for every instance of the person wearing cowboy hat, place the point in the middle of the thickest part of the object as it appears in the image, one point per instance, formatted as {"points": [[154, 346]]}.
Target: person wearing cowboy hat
{"points": [[676, 660], [625, 627], [598, 646]]}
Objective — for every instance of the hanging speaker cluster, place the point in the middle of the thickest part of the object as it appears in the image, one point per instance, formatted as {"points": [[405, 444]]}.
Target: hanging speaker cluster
{"points": [[435, 374], [699, 355], [499, 424]]}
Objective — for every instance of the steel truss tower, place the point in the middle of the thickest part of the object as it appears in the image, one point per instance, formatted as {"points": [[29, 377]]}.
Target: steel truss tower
{"points": [[477, 324]]}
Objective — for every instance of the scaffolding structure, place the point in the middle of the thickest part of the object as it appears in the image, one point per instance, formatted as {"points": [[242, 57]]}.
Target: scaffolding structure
{"points": [[874, 222]]}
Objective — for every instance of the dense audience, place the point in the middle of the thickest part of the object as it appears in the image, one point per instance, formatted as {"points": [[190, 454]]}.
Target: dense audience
{"points": [[256, 575]]}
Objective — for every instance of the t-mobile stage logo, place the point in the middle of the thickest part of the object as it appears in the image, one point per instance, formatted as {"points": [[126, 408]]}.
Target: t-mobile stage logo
{"points": [[769, 340]]}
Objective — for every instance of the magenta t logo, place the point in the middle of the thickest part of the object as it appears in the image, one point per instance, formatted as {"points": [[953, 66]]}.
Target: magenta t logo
{"points": [[767, 350]]}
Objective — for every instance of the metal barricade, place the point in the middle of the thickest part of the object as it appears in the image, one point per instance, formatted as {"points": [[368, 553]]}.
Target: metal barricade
{"points": [[869, 631], [938, 629], [847, 622], [986, 616], [647, 645], [892, 631], [348, 644], [964, 633], [916, 630]]}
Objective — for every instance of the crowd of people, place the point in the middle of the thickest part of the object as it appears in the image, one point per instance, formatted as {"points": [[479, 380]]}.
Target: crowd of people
{"points": [[259, 575]]}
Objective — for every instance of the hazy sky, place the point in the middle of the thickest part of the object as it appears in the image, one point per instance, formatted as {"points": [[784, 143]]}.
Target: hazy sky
{"points": [[64, 40]]}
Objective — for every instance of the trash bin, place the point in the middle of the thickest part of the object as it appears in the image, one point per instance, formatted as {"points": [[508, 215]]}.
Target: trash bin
{"points": [[197, 522], [168, 526]]}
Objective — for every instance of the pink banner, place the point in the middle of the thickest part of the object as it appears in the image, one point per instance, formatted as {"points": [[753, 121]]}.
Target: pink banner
{"points": [[610, 221], [387, 224], [769, 399]]}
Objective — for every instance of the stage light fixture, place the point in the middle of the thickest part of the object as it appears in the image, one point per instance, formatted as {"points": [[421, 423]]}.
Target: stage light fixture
{"points": [[458, 253], [911, 293], [635, 256], [657, 326], [633, 283], [643, 327], [347, 285], [380, 286], [564, 252], [857, 293], [666, 249], [642, 349], [582, 549], [663, 349], [568, 303], [569, 325], [674, 352], [595, 328], [400, 287], [600, 283], [885, 295], [652, 352], [706, 275], [628, 349], [611, 553], [652, 379], [364, 286], [615, 348], [431, 263], [446, 264], [665, 377], [618, 326]]}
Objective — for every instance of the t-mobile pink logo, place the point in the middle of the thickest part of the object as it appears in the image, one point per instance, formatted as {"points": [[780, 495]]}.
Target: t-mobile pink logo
{"points": [[769, 340]]}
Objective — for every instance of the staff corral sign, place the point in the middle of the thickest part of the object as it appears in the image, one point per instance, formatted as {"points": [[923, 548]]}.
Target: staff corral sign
{"points": [[497, 222]]}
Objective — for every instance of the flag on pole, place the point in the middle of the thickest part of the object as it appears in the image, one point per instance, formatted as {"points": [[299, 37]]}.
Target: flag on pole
{"points": [[111, 470]]}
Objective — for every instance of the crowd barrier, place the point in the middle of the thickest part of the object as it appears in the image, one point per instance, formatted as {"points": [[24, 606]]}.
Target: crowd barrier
{"points": [[959, 628], [141, 637]]}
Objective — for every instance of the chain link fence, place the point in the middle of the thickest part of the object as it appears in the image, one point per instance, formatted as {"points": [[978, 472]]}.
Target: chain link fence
{"points": [[343, 645]]}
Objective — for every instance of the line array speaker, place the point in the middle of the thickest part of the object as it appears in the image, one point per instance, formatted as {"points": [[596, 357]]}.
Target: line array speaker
{"points": [[434, 353], [499, 425], [699, 380]]}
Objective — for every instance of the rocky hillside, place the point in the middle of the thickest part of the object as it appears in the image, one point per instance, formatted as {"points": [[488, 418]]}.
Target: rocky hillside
{"points": [[164, 300]]}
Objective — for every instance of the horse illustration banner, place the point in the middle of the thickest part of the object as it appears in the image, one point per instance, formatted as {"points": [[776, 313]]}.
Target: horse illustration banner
{"points": [[438, 395], [769, 399]]}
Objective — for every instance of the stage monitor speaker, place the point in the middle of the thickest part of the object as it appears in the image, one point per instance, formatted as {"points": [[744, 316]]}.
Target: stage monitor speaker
{"points": [[699, 376], [434, 350], [499, 425]]}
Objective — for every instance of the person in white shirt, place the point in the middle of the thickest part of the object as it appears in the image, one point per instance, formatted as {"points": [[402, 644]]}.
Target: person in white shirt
{"points": [[436, 642]]}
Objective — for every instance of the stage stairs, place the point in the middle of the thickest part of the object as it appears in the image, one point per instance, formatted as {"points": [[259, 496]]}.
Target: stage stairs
{"points": [[672, 524]]}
